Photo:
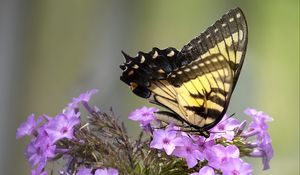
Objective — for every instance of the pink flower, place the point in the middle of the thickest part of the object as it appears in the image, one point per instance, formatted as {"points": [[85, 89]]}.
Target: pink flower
{"points": [[84, 97], [61, 127], [39, 150], [143, 115], [204, 143], [259, 128], [265, 151], [28, 127], [166, 139], [218, 155], [190, 151], [259, 123], [225, 128], [236, 167]]}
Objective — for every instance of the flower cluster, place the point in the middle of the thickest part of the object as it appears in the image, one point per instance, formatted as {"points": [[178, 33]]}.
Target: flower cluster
{"points": [[221, 152], [99, 144], [49, 133]]}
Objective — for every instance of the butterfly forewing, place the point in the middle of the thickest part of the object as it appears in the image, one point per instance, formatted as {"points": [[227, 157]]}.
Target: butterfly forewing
{"points": [[196, 83], [227, 36]]}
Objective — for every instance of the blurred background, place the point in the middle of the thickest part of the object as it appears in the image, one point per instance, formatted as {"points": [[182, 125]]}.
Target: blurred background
{"points": [[51, 51]]}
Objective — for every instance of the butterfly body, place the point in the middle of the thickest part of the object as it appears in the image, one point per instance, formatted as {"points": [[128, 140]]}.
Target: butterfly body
{"points": [[196, 83]]}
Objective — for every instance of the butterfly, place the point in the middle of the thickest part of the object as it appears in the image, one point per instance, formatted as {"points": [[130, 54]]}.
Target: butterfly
{"points": [[194, 84]]}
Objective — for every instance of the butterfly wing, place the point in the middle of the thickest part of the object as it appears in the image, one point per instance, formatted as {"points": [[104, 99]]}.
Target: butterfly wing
{"points": [[196, 83], [214, 61], [227, 36]]}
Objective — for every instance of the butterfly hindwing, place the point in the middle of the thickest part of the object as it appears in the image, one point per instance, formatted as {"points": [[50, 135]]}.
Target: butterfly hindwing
{"points": [[196, 83]]}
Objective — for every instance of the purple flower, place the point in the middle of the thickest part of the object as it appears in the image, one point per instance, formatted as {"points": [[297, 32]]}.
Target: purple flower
{"points": [[218, 154], [259, 128], [84, 97], [166, 139], [204, 143], [70, 112], [206, 170], [39, 150], [264, 150], [28, 127], [109, 171], [225, 128], [259, 124], [189, 151], [84, 171], [236, 167], [143, 115], [267, 150], [61, 127]]}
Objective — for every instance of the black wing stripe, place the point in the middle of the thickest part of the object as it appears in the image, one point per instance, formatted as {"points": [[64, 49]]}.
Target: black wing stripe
{"points": [[156, 101], [205, 65], [214, 98], [192, 92], [172, 91], [215, 41], [165, 89], [199, 80], [162, 89], [242, 42], [219, 33], [227, 29], [224, 32], [187, 89], [209, 40], [232, 29]]}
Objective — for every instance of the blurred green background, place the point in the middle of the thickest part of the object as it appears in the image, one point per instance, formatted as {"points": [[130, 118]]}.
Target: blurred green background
{"points": [[50, 51]]}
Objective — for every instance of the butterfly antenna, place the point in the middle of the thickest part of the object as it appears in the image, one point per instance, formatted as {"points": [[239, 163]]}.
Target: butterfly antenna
{"points": [[231, 115]]}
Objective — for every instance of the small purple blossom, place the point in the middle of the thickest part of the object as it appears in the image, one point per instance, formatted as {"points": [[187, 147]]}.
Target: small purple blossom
{"points": [[219, 154], [143, 115], [109, 171], [62, 127], [259, 128], [84, 171], [70, 112], [236, 167], [265, 151], [225, 128], [204, 143], [268, 152], [28, 127], [84, 97], [166, 139], [190, 151], [259, 123], [39, 150], [206, 170]]}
